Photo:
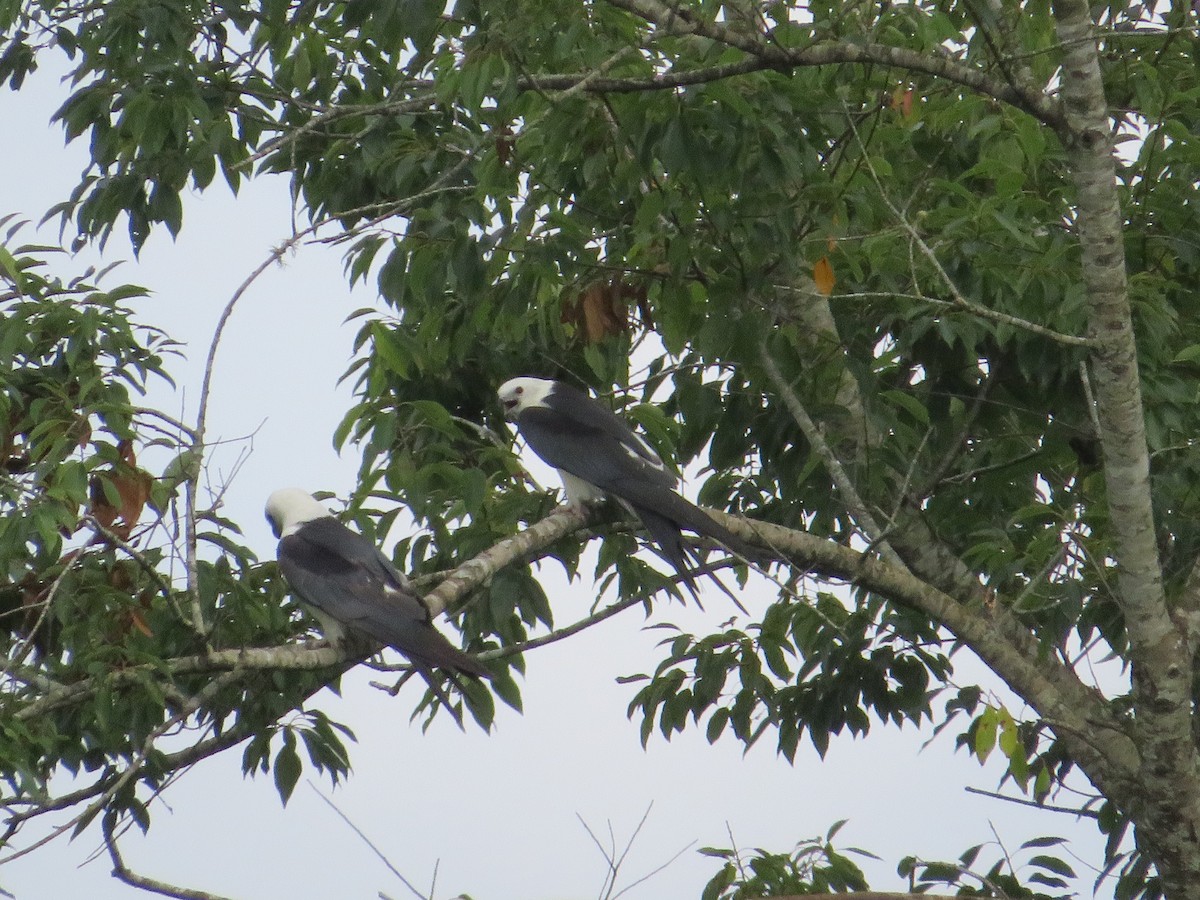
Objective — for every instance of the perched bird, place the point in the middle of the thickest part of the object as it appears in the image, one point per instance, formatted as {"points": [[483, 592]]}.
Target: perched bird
{"points": [[598, 455], [350, 586]]}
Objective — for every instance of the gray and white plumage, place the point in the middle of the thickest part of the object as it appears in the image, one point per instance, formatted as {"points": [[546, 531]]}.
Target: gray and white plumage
{"points": [[598, 455], [350, 586]]}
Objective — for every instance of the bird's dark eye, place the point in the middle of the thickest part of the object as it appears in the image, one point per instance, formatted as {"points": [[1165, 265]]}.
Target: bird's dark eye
{"points": [[520, 390]]}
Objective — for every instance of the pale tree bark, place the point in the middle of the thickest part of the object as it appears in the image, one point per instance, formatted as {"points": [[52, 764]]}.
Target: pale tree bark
{"points": [[1166, 805]]}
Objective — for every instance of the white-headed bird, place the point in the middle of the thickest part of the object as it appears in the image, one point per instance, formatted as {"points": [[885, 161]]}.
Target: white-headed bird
{"points": [[598, 455], [350, 586]]}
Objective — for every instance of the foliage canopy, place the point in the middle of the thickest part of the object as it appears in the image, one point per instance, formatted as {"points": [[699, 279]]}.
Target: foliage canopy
{"points": [[910, 282]]}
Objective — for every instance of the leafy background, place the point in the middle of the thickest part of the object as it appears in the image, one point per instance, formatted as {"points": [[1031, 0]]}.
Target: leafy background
{"points": [[573, 750]]}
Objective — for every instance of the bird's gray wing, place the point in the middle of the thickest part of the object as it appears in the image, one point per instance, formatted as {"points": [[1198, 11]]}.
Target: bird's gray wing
{"points": [[344, 575], [587, 412], [577, 438]]}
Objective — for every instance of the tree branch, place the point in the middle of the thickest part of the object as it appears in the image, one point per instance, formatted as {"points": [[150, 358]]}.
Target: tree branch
{"points": [[990, 630], [959, 300], [1021, 801], [478, 571], [678, 22], [123, 873]]}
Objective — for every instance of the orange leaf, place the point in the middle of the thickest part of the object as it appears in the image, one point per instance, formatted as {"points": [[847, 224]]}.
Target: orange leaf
{"points": [[504, 144], [822, 274]]}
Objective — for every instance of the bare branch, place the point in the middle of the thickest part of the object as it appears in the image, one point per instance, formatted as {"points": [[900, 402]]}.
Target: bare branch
{"points": [[123, 873], [191, 483], [1021, 801], [566, 631], [658, 82], [476, 572]]}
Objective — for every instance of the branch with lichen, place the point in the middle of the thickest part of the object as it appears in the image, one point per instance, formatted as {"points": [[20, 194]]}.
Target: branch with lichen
{"points": [[990, 631]]}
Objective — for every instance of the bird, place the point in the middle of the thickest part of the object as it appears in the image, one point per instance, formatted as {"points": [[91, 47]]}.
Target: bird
{"points": [[598, 455], [353, 589]]}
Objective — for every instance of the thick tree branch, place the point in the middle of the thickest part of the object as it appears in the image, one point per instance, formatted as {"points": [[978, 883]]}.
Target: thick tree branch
{"points": [[453, 588], [676, 21], [818, 336], [761, 55], [478, 571], [988, 629], [1079, 713]]}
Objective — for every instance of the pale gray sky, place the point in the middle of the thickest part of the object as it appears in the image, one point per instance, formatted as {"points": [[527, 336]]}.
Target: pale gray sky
{"points": [[499, 811]]}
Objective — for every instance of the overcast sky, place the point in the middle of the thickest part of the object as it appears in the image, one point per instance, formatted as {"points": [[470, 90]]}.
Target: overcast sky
{"points": [[499, 814]]}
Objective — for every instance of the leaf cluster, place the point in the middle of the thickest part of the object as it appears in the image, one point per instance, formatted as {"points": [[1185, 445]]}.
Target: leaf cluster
{"points": [[1024, 873], [812, 667], [846, 293], [813, 867]]}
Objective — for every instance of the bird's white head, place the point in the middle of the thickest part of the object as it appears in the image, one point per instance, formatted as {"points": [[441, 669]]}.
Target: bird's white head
{"points": [[519, 394], [289, 508]]}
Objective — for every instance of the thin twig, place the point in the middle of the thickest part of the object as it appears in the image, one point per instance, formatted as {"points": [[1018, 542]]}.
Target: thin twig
{"points": [[366, 840], [132, 769], [866, 521], [655, 870], [1021, 801], [136, 555], [191, 482], [956, 295]]}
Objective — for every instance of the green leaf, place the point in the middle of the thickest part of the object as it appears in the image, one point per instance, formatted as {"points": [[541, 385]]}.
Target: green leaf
{"points": [[987, 726], [287, 768], [716, 724], [1053, 864], [11, 270], [909, 404], [507, 690]]}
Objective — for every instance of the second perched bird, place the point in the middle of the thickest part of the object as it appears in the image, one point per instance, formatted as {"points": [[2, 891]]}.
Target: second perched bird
{"points": [[597, 454], [349, 585]]}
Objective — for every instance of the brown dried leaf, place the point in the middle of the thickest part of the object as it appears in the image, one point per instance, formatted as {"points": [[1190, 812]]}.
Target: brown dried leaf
{"points": [[133, 489], [598, 311]]}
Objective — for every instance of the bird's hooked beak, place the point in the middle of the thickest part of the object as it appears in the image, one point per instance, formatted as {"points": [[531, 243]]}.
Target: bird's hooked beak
{"points": [[511, 401]]}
